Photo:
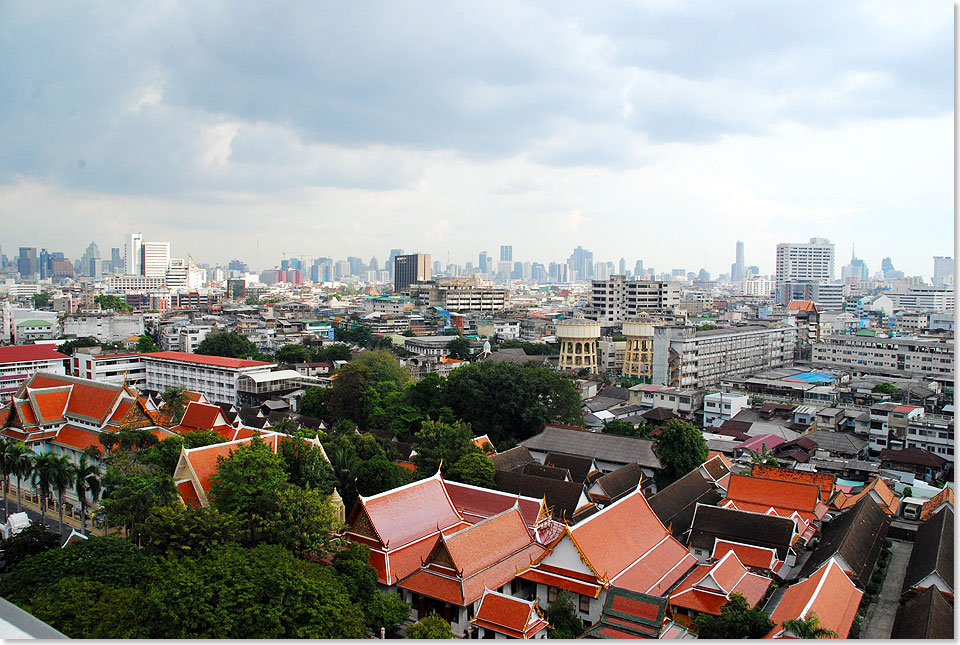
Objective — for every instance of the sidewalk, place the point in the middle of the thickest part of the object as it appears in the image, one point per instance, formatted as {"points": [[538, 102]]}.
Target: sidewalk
{"points": [[878, 622], [32, 508]]}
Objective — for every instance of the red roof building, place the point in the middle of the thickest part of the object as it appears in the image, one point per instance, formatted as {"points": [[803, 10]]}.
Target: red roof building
{"points": [[877, 489], [213, 376], [828, 593], [710, 586], [509, 616], [19, 362], [798, 500], [623, 545], [193, 473]]}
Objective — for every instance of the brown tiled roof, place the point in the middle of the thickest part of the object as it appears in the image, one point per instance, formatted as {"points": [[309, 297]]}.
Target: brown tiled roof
{"points": [[927, 615], [710, 522], [913, 456], [579, 467], [932, 550], [621, 481], [511, 459], [563, 498], [675, 504], [539, 470], [857, 536]]}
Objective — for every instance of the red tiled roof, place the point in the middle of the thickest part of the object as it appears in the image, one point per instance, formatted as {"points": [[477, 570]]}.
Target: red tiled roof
{"points": [[77, 438], [201, 359], [801, 305], [774, 492], [48, 404], [709, 587], [508, 615], [204, 459], [905, 408], [476, 503], [889, 501], [933, 504], [556, 580], [188, 493], [201, 416], [752, 556], [633, 607], [829, 593], [23, 353], [410, 512], [25, 411], [480, 545], [122, 408], [825, 481], [658, 569]]}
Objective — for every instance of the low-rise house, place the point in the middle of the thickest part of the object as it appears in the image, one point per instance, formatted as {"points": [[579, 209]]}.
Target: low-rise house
{"points": [[921, 462], [828, 594], [839, 444], [876, 489]]}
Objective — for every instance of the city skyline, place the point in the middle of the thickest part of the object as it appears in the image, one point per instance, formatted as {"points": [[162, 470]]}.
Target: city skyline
{"points": [[657, 132]]}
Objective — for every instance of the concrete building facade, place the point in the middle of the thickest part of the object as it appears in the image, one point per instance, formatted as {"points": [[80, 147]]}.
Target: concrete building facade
{"points": [[614, 299]]}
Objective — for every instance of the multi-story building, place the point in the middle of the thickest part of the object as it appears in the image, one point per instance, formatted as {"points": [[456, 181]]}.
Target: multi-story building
{"points": [[927, 358], [30, 331], [617, 298], [925, 298], [889, 423], [685, 357], [133, 283], [409, 269], [155, 259], [502, 328], [106, 328], [19, 362], [460, 294], [610, 354], [805, 261], [184, 338], [108, 368], [758, 287], [722, 406], [933, 433], [213, 376], [942, 270], [388, 304], [133, 255]]}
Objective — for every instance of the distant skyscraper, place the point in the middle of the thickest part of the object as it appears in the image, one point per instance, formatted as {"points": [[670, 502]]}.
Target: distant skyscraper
{"points": [[44, 264], [90, 262], [857, 269], [506, 253], [623, 266], [374, 265], [638, 269], [581, 261], [737, 269], [482, 262], [390, 261], [408, 269], [942, 270], [27, 263], [133, 254]]}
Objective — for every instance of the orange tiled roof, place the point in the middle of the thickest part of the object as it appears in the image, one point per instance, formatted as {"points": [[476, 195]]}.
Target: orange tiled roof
{"points": [[204, 459], [933, 504], [658, 569], [888, 501], [475, 503], [77, 438], [188, 493], [122, 408], [760, 557], [410, 512], [48, 403], [556, 580], [824, 481], [508, 615], [829, 593], [25, 412], [201, 359], [201, 416], [774, 492], [483, 440], [480, 545], [700, 591]]}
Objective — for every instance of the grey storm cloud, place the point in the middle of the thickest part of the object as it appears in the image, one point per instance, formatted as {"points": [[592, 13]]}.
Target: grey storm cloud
{"points": [[561, 83]]}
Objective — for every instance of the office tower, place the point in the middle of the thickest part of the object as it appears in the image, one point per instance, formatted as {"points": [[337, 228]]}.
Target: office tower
{"points": [[857, 269], [408, 269], [27, 263], [942, 270], [374, 265], [737, 268], [44, 264], [506, 253], [116, 260], [391, 261], [133, 254], [581, 262], [154, 259], [238, 266], [638, 269], [482, 262], [805, 261], [623, 266], [886, 265], [90, 261]]}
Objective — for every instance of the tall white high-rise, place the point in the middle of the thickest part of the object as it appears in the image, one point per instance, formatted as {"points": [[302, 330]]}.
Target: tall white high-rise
{"points": [[810, 261], [132, 254], [155, 259]]}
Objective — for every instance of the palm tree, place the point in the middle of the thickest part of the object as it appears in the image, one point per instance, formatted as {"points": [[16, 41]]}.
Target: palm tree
{"points": [[5, 472], [175, 399], [62, 475], [41, 480], [88, 479], [20, 460], [808, 627]]}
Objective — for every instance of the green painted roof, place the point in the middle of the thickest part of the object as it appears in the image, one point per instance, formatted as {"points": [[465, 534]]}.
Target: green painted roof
{"points": [[35, 323]]}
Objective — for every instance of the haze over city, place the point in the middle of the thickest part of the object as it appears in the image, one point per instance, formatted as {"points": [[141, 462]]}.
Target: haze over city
{"points": [[663, 132]]}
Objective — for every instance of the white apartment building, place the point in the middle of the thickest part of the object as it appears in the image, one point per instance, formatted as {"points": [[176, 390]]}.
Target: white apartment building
{"points": [[929, 358], [133, 255], [461, 294], [176, 274], [133, 283], [611, 354], [155, 259], [933, 433], [805, 261], [109, 368], [685, 357], [395, 305], [758, 287], [19, 362], [617, 298], [184, 338], [104, 327], [923, 298], [722, 406], [213, 376], [503, 329]]}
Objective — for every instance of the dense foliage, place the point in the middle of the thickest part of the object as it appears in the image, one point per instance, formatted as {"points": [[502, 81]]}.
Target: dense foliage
{"points": [[562, 616], [230, 345], [736, 620], [681, 448]]}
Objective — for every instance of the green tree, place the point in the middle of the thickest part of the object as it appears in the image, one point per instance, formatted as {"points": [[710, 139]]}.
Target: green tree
{"points": [[886, 388], [69, 346], [111, 302], [63, 475], [562, 616], [345, 395], [808, 628], [383, 366], [248, 484], [681, 448], [331, 352], [228, 344], [313, 403], [42, 299], [252, 300], [626, 429], [380, 609], [304, 522], [20, 461], [176, 529], [736, 620], [459, 348], [42, 480], [174, 398], [377, 474], [87, 482], [436, 441], [511, 402], [474, 468], [293, 353], [31, 540], [145, 345], [764, 457], [305, 466], [85, 609], [430, 627]]}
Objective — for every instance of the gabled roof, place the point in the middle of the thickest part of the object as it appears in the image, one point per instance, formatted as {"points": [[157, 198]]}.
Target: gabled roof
{"points": [[932, 551], [825, 481], [479, 545], [857, 537], [581, 468], [482, 441], [710, 586], [775, 493], [88, 401], [713, 522], [927, 615], [620, 482], [758, 557], [510, 616], [913, 456], [200, 464], [885, 497], [674, 505], [567, 500], [475, 503], [838, 442], [512, 459], [596, 445], [48, 403], [629, 614], [77, 438], [828, 593], [408, 513], [202, 416], [716, 466], [549, 472], [936, 502]]}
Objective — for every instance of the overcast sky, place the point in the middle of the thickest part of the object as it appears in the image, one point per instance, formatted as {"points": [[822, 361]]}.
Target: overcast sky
{"points": [[661, 130]]}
